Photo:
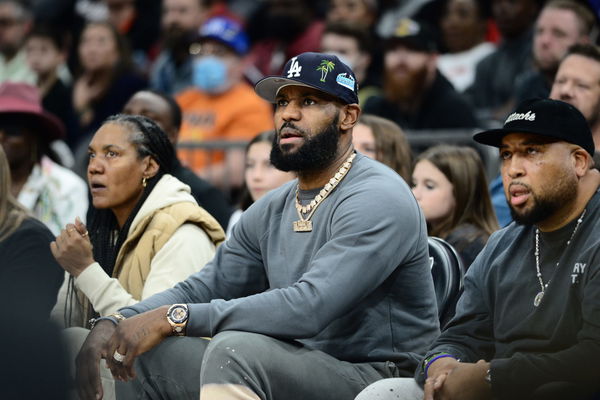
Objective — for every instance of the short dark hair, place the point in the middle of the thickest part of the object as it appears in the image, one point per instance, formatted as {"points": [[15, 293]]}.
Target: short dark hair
{"points": [[52, 33], [361, 35], [585, 50], [174, 109], [483, 8]]}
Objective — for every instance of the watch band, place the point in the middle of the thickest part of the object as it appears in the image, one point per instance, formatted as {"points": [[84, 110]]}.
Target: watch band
{"points": [[177, 316]]}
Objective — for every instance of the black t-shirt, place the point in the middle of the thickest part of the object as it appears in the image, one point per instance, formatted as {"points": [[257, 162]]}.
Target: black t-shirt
{"points": [[529, 346], [29, 275]]}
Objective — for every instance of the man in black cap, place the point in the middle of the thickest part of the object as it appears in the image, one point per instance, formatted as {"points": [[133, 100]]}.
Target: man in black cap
{"points": [[318, 292], [416, 94], [528, 323]]}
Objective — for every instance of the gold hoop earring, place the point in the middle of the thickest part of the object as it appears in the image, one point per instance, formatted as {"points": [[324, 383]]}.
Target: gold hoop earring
{"points": [[144, 182]]}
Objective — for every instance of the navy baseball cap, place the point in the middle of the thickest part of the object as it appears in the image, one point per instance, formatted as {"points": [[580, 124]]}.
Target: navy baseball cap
{"points": [[544, 117], [226, 31], [324, 72]]}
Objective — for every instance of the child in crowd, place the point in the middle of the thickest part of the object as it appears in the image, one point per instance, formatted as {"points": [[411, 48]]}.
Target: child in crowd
{"points": [[449, 184], [260, 175]]}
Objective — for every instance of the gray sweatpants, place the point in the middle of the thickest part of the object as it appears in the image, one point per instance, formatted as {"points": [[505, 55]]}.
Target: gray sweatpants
{"points": [[270, 368]]}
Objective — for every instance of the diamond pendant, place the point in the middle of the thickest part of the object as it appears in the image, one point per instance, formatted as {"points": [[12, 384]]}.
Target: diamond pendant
{"points": [[302, 226], [538, 299]]}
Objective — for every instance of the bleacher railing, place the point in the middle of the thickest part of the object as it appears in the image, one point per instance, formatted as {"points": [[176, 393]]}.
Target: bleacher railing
{"points": [[418, 139]]}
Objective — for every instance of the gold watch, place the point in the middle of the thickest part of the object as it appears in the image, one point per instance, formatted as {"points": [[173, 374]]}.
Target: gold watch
{"points": [[178, 315]]}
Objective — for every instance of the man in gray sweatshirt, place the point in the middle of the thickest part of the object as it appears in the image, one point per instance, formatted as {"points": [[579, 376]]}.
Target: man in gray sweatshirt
{"points": [[323, 287]]}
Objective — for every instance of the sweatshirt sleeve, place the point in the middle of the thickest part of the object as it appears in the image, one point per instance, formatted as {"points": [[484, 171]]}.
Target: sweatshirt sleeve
{"points": [[231, 293], [184, 253], [469, 335]]}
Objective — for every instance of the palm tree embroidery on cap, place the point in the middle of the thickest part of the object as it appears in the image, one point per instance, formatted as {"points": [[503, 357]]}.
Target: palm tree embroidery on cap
{"points": [[325, 67]]}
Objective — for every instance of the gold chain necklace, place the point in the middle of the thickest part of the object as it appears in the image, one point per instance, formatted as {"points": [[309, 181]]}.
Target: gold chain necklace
{"points": [[304, 224]]}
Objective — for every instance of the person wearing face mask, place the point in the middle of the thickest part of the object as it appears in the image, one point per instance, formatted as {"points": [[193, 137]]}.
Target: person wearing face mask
{"points": [[220, 105]]}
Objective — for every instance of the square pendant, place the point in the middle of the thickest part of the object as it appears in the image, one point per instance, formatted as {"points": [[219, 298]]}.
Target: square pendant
{"points": [[302, 226]]}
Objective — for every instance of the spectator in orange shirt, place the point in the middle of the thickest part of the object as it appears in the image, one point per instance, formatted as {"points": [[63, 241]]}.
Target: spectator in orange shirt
{"points": [[220, 105]]}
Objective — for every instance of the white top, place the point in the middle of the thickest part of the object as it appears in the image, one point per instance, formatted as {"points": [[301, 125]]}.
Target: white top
{"points": [[186, 252], [459, 68], [55, 195]]}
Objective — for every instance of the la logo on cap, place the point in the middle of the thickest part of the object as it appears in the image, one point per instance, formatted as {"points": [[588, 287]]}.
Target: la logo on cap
{"points": [[528, 116], [295, 68]]}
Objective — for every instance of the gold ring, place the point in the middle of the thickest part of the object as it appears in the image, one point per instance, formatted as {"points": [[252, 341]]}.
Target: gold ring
{"points": [[84, 234]]}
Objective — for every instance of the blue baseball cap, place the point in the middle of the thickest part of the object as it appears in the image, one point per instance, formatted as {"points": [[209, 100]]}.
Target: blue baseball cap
{"points": [[226, 31], [324, 72]]}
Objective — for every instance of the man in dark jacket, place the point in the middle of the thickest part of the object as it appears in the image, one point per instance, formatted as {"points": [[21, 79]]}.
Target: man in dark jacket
{"points": [[416, 94], [528, 323]]}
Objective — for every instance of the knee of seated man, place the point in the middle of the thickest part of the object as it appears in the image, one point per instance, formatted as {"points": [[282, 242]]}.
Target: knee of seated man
{"points": [[235, 345], [232, 342]]}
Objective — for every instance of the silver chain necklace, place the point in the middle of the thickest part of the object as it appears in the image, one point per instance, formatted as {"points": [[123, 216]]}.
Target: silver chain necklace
{"points": [[538, 297]]}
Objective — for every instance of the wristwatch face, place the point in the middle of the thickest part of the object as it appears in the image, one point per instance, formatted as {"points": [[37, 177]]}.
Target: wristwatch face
{"points": [[178, 315]]}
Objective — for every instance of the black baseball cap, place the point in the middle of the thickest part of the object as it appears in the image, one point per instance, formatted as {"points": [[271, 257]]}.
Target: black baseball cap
{"points": [[324, 72], [544, 117], [414, 34]]}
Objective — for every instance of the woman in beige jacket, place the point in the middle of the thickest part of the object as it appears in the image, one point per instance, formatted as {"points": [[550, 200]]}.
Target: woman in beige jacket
{"points": [[145, 231]]}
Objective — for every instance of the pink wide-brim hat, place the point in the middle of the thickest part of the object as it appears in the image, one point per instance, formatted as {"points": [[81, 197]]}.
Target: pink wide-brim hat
{"points": [[24, 99]]}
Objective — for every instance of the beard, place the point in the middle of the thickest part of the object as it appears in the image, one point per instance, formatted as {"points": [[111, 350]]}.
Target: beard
{"points": [[545, 205], [317, 152], [403, 90], [177, 39], [547, 67]]}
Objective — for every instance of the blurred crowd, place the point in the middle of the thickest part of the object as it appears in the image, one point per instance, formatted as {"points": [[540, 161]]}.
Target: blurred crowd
{"points": [[429, 73], [426, 65]]}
